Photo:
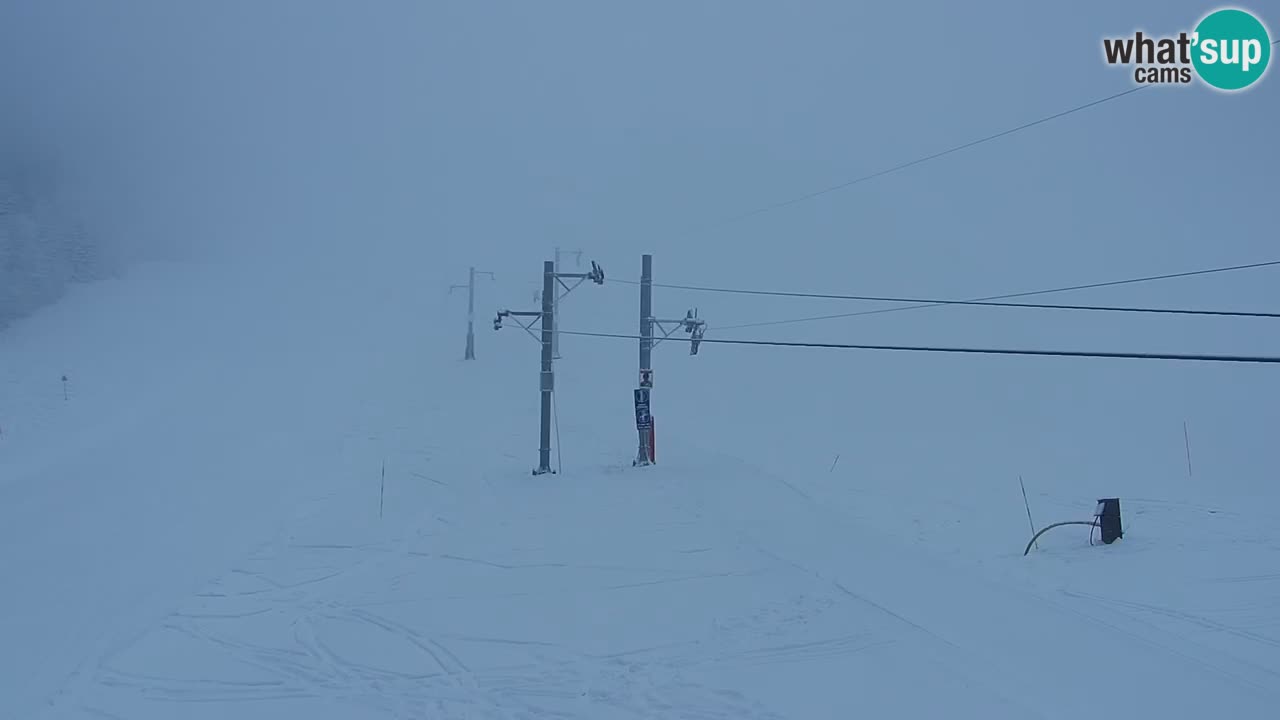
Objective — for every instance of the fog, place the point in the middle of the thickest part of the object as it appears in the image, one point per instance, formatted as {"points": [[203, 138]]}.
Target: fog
{"points": [[430, 136], [229, 228], [215, 127]]}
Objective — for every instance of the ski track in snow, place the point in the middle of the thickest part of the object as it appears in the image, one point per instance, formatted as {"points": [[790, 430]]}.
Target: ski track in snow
{"points": [[410, 659], [704, 587], [543, 679]]}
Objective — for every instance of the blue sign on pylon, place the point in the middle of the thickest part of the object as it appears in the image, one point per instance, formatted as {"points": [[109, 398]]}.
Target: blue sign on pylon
{"points": [[643, 419]]}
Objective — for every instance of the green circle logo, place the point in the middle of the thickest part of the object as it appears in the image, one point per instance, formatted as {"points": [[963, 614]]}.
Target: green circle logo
{"points": [[1232, 49]]}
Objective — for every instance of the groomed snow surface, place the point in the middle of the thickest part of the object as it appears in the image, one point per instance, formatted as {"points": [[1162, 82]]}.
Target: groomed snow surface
{"points": [[196, 531]]}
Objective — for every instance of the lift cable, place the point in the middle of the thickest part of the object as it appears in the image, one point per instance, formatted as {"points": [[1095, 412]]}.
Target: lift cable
{"points": [[1265, 359]]}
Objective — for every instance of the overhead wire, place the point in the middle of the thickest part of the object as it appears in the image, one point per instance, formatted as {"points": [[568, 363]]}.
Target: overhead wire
{"points": [[1006, 296], [987, 300], [982, 300], [1264, 359], [937, 155], [927, 158], [980, 303]]}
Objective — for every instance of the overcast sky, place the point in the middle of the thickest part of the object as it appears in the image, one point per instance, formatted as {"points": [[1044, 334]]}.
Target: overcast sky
{"points": [[451, 133]]}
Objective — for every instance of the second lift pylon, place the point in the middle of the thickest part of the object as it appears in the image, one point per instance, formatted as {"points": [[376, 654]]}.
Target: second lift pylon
{"points": [[690, 323]]}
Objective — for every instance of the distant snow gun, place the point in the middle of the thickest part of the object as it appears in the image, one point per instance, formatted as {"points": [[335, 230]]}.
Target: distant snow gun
{"points": [[1106, 518]]}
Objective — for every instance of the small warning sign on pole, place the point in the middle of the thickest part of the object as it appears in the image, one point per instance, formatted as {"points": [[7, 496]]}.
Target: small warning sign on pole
{"points": [[646, 377], [643, 419]]}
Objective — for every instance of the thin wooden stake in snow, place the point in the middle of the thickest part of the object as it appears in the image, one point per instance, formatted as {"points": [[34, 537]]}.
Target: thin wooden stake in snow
{"points": [[64, 388], [1028, 504], [382, 488], [833, 463], [1186, 438]]}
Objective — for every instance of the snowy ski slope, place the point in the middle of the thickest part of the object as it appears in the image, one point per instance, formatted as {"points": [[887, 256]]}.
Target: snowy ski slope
{"points": [[273, 489], [196, 532]]}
